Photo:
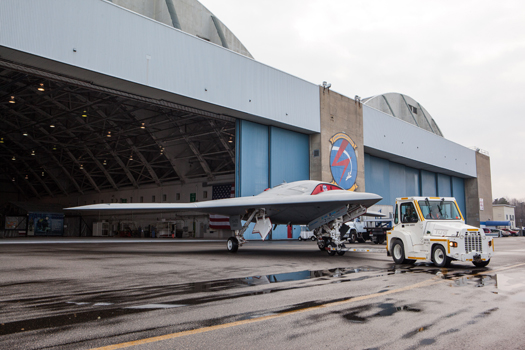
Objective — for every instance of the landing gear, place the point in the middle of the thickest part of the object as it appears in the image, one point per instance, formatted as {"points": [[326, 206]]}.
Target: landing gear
{"points": [[333, 244], [233, 244], [238, 240], [332, 252], [322, 242], [341, 252]]}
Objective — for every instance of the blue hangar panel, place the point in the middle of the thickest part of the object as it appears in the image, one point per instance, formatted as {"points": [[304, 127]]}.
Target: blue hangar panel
{"points": [[289, 158], [392, 180], [377, 178], [444, 185], [458, 192], [252, 158], [266, 157], [428, 183]]}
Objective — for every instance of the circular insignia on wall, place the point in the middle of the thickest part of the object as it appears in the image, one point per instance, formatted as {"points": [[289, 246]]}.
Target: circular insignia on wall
{"points": [[343, 161]]}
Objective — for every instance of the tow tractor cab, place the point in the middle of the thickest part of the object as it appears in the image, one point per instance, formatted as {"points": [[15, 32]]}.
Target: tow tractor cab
{"points": [[433, 228]]}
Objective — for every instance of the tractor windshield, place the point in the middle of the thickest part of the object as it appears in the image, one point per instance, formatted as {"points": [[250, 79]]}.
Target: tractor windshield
{"points": [[439, 210]]}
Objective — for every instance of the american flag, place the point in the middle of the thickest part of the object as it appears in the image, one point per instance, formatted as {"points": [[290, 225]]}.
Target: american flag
{"points": [[221, 222]]}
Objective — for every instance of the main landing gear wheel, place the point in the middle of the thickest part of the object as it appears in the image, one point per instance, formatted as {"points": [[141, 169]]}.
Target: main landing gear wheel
{"points": [[331, 245], [439, 256], [233, 244], [341, 252], [323, 242], [481, 263]]}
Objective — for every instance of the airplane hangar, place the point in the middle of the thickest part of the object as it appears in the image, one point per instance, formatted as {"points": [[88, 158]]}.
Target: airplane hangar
{"points": [[157, 101]]}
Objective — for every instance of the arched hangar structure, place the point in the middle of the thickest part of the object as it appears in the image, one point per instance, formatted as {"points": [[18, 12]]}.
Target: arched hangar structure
{"points": [[157, 101], [115, 103]]}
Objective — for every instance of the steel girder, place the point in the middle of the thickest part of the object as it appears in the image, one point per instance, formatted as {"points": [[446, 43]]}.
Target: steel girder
{"points": [[152, 141]]}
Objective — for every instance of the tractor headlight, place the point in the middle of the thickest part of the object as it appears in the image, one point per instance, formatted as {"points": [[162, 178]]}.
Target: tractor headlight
{"points": [[453, 244]]}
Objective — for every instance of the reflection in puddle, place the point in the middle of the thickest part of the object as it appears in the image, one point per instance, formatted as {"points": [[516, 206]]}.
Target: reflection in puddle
{"points": [[387, 309], [476, 281], [512, 284], [115, 303], [303, 275]]}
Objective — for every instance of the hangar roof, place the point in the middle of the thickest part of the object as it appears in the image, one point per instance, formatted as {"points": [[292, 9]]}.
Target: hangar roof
{"points": [[189, 16], [405, 108]]}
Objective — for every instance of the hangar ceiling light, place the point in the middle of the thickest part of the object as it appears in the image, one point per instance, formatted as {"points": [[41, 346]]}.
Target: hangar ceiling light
{"points": [[41, 87]]}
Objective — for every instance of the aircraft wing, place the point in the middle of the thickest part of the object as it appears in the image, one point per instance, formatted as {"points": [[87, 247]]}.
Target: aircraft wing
{"points": [[282, 209]]}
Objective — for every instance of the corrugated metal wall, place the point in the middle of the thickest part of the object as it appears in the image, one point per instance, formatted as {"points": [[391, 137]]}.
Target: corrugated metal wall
{"points": [[269, 156], [393, 180], [252, 165], [289, 159], [391, 138], [99, 36]]}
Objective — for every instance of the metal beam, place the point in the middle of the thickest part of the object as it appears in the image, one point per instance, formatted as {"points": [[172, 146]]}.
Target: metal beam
{"points": [[23, 177], [73, 158], [107, 146], [86, 149], [90, 86], [221, 139], [172, 162], [22, 146]]}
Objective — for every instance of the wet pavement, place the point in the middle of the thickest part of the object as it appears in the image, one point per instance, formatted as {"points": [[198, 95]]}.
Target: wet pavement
{"points": [[278, 295]]}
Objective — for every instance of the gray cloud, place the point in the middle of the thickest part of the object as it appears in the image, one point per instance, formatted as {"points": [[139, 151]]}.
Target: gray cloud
{"points": [[464, 61]]}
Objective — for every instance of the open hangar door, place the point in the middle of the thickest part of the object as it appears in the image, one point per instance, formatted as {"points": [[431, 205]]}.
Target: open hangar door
{"points": [[70, 142]]}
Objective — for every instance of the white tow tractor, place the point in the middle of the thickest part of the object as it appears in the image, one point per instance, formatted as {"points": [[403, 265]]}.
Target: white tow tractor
{"points": [[433, 228]]}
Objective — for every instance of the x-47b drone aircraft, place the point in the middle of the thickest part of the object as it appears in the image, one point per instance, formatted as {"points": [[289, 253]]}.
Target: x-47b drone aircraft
{"points": [[322, 206]]}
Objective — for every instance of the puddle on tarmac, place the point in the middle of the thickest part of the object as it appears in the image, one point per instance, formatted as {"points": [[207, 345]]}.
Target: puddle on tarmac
{"points": [[512, 284], [386, 309], [475, 281], [95, 306], [113, 305]]}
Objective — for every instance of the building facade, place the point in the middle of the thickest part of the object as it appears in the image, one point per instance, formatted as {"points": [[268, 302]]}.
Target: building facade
{"points": [[123, 116]]}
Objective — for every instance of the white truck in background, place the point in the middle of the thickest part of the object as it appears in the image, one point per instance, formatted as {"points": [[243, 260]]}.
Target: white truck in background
{"points": [[366, 228], [433, 228]]}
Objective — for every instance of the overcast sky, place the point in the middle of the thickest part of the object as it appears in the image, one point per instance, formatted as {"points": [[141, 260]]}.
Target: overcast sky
{"points": [[464, 61]]}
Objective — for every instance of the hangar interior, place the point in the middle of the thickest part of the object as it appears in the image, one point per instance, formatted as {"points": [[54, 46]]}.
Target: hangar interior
{"points": [[66, 137], [178, 122]]}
